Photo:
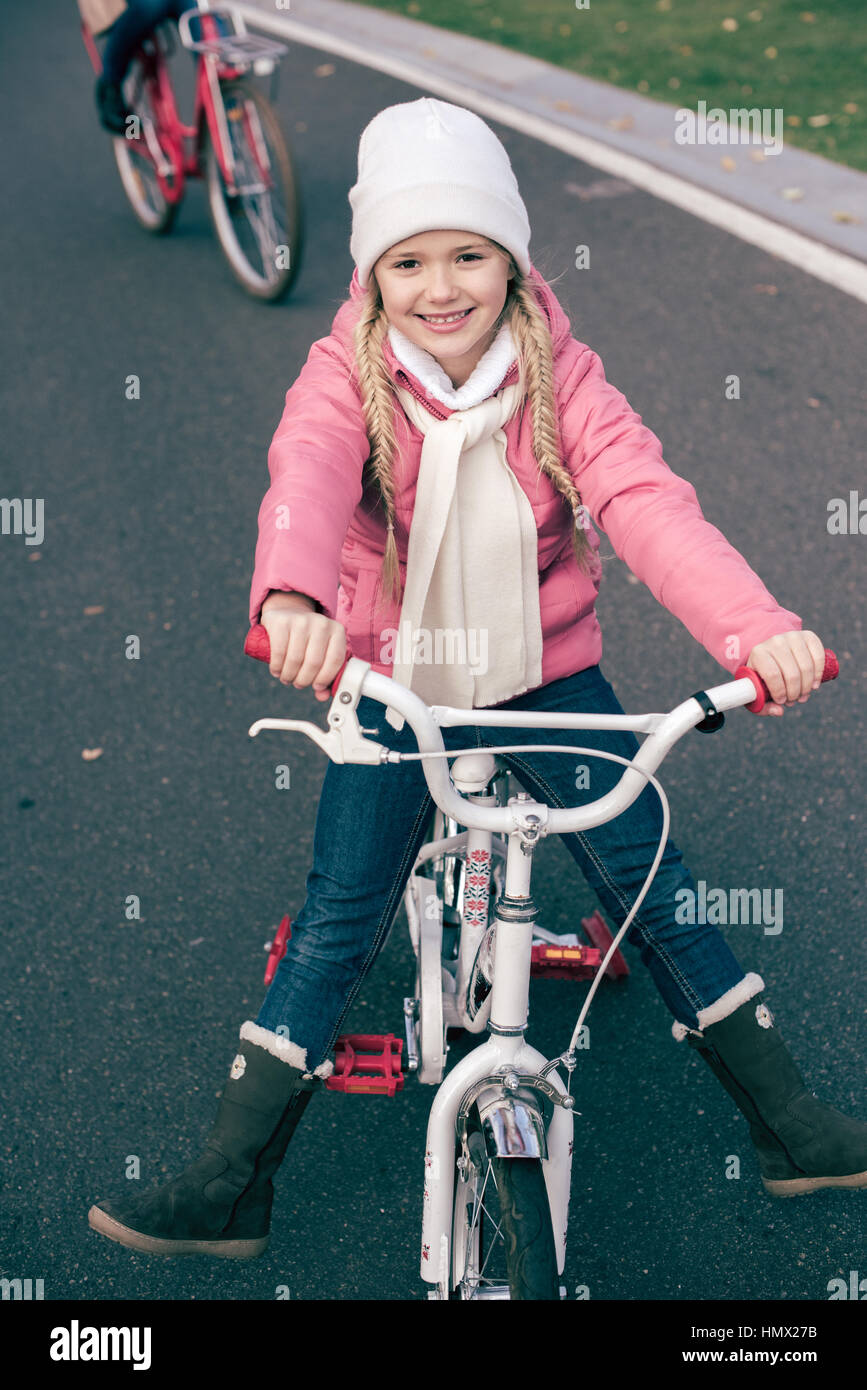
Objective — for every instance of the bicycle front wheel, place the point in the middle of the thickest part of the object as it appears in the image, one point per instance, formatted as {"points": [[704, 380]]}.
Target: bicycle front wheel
{"points": [[259, 223], [503, 1240]]}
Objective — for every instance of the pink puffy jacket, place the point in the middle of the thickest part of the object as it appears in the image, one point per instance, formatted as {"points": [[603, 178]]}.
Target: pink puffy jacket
{"points": [[320, 532]]}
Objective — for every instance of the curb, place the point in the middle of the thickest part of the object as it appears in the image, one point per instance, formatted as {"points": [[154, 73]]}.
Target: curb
{"points": [[623, 133]]}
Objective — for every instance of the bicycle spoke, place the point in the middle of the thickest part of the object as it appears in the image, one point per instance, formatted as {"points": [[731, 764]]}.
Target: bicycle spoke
{"points": [[473, 1278], [256, 215], [495, 1224], [255, 195]]}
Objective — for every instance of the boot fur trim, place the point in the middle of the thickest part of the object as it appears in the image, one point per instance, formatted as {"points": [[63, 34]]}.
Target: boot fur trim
{"points": [[275, 1043], [280, 1046], [733, 998]]}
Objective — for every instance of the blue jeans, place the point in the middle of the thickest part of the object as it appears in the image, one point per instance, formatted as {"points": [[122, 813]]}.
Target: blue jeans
{"points": [[371, 823], [138, 19]]}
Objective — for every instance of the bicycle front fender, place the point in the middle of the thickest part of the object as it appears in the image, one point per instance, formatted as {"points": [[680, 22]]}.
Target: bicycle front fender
{"points": [[513, 1126], [441, 1152]]}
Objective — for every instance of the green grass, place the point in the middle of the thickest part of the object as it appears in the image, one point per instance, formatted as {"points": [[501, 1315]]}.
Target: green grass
{"points": [[678, 51]]}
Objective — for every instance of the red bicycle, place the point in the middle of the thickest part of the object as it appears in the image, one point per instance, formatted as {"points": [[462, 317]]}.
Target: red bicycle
{"points": [[235, 143]]}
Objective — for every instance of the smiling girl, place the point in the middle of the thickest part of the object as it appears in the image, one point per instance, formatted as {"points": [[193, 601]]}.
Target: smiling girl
{"points": [[442, 460]]}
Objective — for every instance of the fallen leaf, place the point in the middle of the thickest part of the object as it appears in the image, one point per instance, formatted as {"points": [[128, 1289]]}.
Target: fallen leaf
{"points": [[839, 216], [818, 120], [766, 289], [324, 70], [771, 52], [755, 16], [730, 25], [728, 163], [813, 403], [197, 941], [757, 156], [792, 195], [793, 120], [564, 106], [851, 107], [807, 16], [89, 754], [622, 123], [93, 608]]}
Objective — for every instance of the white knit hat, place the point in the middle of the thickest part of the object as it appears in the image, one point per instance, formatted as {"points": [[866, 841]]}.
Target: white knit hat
{"points": [[427, 165]]}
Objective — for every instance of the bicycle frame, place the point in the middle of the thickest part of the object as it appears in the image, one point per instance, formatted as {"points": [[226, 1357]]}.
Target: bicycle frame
{"points": [[184, 141]]}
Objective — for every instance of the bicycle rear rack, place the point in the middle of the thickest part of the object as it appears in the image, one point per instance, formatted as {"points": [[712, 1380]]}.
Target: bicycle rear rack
{"points": [[235, 50]]}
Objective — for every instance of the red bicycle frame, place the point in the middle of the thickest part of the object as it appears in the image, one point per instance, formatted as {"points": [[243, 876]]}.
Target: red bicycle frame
{"points": [[183, 141]]}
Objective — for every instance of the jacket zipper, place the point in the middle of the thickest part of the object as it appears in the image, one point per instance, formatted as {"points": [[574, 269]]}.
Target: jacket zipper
{"points": [[428, 401]]}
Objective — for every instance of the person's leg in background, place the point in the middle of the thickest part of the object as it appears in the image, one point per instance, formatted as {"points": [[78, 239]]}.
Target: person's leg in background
{"points": [[802, 1144], [138, 19]]}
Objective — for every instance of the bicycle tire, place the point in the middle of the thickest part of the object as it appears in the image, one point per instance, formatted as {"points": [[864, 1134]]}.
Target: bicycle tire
{"points": [[531, 1257], [502, 1233], [151, 208], [225, 212]]}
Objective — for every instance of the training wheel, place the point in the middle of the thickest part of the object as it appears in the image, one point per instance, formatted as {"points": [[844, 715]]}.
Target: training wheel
{"points": [[278, 948], [597, 931]]}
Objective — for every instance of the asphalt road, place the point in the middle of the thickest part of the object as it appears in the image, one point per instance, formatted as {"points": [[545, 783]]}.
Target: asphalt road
{"points": [[118, 1034]]}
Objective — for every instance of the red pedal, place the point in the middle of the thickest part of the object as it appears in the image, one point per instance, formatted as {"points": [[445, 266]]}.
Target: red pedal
{"points": [[278, 949], [368, 1064], [565, 962]]}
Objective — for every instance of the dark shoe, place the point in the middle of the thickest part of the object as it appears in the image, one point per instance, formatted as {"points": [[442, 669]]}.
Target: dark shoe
{"points": [[802, 1143], [221, 1204], [111, 106]]}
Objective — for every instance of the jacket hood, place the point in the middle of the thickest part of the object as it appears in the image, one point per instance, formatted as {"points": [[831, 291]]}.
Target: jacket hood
{"points": [[561, 329]]}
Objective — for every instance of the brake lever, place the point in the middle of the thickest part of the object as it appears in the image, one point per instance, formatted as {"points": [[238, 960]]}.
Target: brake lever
{"points": [[344, 742]]}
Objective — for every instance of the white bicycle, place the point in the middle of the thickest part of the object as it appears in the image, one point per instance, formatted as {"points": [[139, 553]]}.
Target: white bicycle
{"points": [[498, 1156]]}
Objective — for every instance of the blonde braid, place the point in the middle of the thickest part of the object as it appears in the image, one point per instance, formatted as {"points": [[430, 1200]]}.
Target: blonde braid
{"points": [[377, 400], [532, 335]]}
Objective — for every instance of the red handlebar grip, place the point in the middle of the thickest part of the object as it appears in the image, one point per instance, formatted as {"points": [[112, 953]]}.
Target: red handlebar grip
{"points": [[258, 645], [763, 694]]}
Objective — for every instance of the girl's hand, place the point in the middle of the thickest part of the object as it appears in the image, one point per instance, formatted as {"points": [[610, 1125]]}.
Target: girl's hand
{"points": [[307, 648], [791, 665]]}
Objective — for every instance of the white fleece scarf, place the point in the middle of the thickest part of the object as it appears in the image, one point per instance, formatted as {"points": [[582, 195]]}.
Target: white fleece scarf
{"points": [[470, 630]]}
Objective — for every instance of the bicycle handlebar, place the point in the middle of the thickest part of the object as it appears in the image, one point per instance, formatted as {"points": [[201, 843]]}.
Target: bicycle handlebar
{"points": [[345, 741], [258, 646]]}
